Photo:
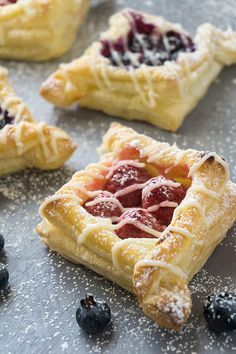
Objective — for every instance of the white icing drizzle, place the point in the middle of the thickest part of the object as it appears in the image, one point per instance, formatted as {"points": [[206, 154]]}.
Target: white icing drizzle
{"points": [[179, 157], [106, 83], [139, 89], [174, 269], [166, 204], [179, 230], [206, 191], [115, 54], [188, 203], [53, 141], [18, 109], [3, 134], [124, 163], [19, 112], [137, 224], [149, 187], [175, 70], [217, 158], [154, 153], [106, 200], [40, 130], [129, 189], [82, 189], [151, 93], [55, 197], [18, 141], [93, 227], [148, 150], [105, 76], [115, 249], [93, 68], [134, 143]]}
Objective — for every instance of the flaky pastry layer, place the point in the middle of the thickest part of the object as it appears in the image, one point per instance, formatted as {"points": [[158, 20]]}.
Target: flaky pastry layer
{"points": [[157, 272], [26, 142], [162, 95], [38, 29]]}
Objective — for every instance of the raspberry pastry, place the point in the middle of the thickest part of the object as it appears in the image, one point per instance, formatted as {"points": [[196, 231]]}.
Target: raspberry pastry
{"points": [[25, 142], [38, 29], [144, 68], [183, 209]]}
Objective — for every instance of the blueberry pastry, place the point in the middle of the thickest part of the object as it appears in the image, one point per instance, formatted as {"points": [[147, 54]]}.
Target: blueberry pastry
{"points": [[38, 29], [24, 142], [147, 216], [144, 68]]}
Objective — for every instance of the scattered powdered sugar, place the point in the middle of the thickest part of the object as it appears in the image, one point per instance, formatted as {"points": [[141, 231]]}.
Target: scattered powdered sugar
{"points": [[38, 310]]}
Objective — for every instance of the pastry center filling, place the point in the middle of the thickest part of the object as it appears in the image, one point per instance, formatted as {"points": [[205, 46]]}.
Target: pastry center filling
{"points": [[7, 2], [139, 198], [145, 44], [5, 118]]}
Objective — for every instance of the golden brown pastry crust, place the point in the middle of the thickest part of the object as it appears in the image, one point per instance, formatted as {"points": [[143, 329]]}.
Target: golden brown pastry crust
{"points": [[27, 143], [162, 95], [38, 29], [156, 272]]}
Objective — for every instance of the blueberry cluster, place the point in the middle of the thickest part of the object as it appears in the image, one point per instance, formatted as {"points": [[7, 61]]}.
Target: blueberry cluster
{"points": [[146, 45]]}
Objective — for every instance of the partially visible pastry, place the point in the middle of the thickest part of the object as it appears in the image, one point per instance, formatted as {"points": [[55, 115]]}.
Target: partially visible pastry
{"points": [[38, 29], [144, 68], [24, 142]]}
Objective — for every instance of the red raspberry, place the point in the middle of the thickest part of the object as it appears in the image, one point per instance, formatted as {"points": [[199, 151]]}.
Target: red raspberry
{"points": [[7, 2], [124, 176], [135, 217], [162, 193], [104, 209]]}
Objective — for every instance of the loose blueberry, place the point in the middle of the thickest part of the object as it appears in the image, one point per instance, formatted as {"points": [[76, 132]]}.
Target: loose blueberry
{"points": [[220, 311], [93, 316], [4, 276], [2, 242]]}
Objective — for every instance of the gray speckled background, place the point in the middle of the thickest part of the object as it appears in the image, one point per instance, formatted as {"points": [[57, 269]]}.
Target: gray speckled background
{"points": [[37, 313]]}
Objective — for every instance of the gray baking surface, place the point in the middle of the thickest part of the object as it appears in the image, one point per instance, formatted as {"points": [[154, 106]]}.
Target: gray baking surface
{"points": [[38, 311]]}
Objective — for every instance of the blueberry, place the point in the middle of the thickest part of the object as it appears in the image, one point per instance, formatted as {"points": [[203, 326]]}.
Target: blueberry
{"points": [[4, 276], [93, 316], [5, 118], [220, 311], [147, 45], [2, 242]]}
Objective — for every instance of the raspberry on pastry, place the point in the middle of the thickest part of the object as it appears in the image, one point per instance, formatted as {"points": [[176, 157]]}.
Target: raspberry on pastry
{"points": [[125, 180], [135, 251], [137, 223], [160, 196], [104, 205], [7, 2]]}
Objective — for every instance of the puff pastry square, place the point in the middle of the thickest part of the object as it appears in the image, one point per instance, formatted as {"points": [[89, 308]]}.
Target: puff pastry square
{"points": [[135, 247], [144, 68], [39, 29], [25, 142]]}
